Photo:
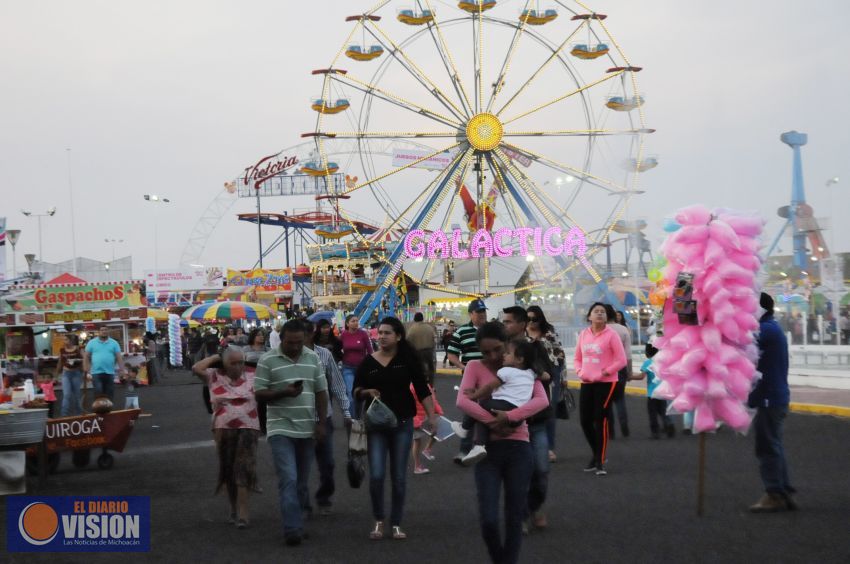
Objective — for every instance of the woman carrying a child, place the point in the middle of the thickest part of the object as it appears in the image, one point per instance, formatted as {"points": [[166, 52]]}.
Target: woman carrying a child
{"points": [[508, 452]]}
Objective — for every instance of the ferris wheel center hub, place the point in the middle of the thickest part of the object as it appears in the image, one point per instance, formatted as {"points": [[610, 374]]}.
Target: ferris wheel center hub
{"points": [[484, 132]]}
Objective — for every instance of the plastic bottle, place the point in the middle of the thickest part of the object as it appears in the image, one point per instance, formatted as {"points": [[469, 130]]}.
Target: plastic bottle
{"points": [[29, 390]]}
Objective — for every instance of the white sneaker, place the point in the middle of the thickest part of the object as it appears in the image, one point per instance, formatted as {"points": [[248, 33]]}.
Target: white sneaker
{"points": [[477, 453], [459, 430]]}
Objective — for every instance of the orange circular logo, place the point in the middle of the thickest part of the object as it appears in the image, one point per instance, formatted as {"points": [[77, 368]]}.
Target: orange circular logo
{"points": [[38, 523]]}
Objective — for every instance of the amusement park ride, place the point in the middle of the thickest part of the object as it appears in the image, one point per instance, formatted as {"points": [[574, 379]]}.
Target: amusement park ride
{"points": [[457, 140]]}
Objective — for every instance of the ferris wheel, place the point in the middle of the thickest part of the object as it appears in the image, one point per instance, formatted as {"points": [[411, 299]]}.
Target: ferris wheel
{"points": [[536, 130]]}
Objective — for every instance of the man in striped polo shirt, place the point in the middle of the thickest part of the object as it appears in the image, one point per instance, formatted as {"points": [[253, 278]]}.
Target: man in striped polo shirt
{"points": [[462, 348], [292, 382]]}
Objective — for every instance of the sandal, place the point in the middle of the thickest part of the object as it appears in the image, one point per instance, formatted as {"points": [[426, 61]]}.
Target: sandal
{"points": [[232, 520], [378, 532], [241, 524], [398, 534]]}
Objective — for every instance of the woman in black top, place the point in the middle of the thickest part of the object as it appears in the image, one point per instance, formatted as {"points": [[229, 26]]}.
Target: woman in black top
{"points": [[387, 374], [325, 337]]}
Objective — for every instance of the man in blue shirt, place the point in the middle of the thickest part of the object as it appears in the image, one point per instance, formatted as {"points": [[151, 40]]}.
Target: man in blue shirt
{"points": [[771, 397], [102, 356]]}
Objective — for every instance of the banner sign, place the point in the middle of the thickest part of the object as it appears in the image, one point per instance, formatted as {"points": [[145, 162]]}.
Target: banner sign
{"points": [[517, 157], [75, 297], [263, 279], [80, 316], [78, 524], [181, 279], [440, 161]]}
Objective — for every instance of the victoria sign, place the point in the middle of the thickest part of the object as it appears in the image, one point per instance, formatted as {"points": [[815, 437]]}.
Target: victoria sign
{"points": [[267, 168], [504, 242]]}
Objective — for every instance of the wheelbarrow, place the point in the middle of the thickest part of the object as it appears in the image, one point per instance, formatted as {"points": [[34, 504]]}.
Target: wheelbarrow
{"points": [[82, 433]]}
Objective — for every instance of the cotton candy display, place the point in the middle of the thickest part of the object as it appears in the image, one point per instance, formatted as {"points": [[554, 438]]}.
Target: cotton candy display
{"points": [[150, 325], [175, 344], [709, 368]]}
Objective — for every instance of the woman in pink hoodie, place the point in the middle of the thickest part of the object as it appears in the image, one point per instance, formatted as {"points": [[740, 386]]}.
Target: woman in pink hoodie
{"points": [[599, 356]]}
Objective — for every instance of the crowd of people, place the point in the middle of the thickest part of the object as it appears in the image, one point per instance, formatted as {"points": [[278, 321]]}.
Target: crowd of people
{"points": [[514, 372]]}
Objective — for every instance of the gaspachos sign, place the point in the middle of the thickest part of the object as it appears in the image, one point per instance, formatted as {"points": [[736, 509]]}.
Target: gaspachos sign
{"points": [[75, 297]]}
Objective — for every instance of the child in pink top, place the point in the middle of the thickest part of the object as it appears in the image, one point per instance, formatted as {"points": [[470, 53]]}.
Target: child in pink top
{"points": [[422, 440]]}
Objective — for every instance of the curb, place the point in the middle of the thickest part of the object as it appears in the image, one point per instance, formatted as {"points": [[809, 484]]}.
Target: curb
{"points": [[795, 407]]}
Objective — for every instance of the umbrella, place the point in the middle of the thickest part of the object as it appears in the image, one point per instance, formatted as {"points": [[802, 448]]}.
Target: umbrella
{"points": [[319, 315], [228, 311]]}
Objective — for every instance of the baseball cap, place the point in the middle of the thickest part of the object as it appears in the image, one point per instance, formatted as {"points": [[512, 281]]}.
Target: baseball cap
{"points": [[476, 305]]}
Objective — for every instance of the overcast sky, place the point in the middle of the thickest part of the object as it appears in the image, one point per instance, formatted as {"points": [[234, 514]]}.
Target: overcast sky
{"points": [[177, 97]]}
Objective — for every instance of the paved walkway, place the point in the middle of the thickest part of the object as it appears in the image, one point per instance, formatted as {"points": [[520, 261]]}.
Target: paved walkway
{"points": [[804, 399], [643, 511]]}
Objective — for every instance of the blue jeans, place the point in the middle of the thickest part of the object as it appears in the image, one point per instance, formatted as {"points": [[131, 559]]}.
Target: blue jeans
{"points": [[348, 378], [395, 443], [292, 463], [770, 451], [104, 385], [537, 434], [71, 397], [509, 462], [325, 462], [553, 401]]}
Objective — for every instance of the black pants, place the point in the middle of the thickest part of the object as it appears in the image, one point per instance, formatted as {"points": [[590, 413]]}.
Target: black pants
{"points": [[482, 431], [594, 409], [657, 409], [619, 401]]}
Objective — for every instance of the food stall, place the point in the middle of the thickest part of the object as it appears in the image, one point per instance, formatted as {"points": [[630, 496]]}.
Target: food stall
{"points": [[34, 319]]}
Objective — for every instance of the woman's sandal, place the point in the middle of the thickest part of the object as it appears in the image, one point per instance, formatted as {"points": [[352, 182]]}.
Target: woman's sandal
{"points": [[398, 534], [378, 532]]}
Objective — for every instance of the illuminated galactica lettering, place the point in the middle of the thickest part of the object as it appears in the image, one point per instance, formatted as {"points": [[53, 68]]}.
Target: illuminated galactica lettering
{"points": [[535, 241]]}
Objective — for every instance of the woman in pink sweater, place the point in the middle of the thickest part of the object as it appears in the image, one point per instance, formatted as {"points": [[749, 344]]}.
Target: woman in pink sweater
{"points": [[508, 458], [599, 356], [356, 346]]}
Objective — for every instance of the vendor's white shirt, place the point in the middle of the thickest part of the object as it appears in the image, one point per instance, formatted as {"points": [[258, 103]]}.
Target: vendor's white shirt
{"points": [[517, 385], [274, 340]]}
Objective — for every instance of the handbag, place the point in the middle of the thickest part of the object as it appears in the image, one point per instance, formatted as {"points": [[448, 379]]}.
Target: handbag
{"points": [[566, 404], [357, 437], [379, 417], [355, 468]]}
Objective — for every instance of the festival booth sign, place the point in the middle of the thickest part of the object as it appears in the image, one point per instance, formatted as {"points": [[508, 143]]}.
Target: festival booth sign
{"points": [[265, 286], [182, 287], [48, 304]]}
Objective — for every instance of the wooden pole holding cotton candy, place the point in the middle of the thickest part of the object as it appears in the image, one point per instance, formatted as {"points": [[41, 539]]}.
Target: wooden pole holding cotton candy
{"points": [[709, 367]]}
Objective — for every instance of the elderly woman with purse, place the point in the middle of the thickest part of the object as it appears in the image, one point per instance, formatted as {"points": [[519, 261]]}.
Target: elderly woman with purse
{"points": [[384, 378], [235, 425]]}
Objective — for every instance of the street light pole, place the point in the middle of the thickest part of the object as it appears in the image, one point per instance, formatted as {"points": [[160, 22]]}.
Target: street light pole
{"points": [[112, 242], [12, 235], [49, 213], [156, 199]]}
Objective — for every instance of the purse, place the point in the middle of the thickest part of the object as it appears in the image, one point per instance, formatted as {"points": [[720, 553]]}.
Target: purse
{"points": [[357, 437], [355, 468], [379, 417], [566, 404]]}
